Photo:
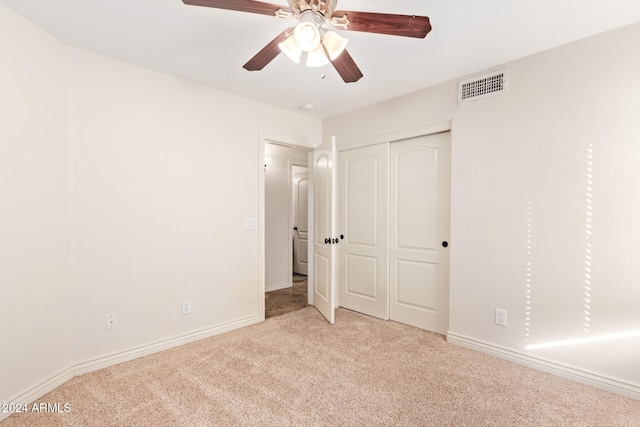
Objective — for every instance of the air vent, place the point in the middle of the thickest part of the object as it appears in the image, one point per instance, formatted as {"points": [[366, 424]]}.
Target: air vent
{"points": [[482, 86]]}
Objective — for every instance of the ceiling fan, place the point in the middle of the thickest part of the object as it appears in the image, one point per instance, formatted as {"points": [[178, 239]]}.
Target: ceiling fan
{"points": [[308, 40]]}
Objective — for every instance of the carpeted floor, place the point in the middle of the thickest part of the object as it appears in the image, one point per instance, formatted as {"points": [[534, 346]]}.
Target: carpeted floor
{"points": [[297, 370]]}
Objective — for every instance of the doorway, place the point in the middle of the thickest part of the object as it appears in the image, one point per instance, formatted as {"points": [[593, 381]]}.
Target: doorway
{"points": [[286, 201]]}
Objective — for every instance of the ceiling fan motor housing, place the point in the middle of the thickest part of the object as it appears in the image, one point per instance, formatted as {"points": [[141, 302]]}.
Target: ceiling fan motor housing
{"points": [[325, 8]]}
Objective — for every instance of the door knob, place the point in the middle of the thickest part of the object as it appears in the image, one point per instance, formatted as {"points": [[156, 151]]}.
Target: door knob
{"points": [[445, 244], [295, 228], [326, 241]]}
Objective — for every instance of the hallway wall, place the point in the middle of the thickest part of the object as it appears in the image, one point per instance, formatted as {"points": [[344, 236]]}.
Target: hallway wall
{"points": [[277, 212]]}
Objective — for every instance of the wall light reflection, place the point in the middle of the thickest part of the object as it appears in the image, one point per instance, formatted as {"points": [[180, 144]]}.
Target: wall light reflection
{"points": [[585, 340], [588, 247], [527, 325]]}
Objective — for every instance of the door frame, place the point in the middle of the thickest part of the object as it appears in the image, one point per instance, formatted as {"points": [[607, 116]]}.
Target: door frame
{"points": [[262, 140], [397, 135]]}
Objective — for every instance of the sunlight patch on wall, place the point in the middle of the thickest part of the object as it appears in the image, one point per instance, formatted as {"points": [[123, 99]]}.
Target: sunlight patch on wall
{"points": [[527, 325], [585, 340], [588, 245]]}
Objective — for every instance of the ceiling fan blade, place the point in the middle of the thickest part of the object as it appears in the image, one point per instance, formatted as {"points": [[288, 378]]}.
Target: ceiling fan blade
{"points": [[346, 67], [382, 23], [268, 53], [250, 6]]}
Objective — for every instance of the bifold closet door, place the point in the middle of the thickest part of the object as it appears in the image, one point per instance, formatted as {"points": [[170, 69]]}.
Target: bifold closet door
{"points": [[363, 266], [419, 194]]}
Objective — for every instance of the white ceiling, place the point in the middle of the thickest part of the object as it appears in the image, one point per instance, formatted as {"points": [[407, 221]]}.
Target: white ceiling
{"points": [[210, 46]]}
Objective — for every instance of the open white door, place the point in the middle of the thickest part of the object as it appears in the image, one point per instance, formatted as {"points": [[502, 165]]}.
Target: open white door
{"points": [[324, 243], [300, 222]]}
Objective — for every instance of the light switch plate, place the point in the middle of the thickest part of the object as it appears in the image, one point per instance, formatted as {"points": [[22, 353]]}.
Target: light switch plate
{"points": [[251, 223]]}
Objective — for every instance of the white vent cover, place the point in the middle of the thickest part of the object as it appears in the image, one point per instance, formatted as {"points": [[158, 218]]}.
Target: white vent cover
{"points": [[482, 86]]}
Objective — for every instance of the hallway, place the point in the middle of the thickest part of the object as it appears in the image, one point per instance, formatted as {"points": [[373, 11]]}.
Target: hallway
{"points": [[286, 300]]}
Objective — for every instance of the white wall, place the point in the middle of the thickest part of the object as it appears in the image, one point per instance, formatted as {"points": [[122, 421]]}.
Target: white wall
{"points": [[35, 285], [124, 190], [519, 179], [164, 172], [278, 193]]}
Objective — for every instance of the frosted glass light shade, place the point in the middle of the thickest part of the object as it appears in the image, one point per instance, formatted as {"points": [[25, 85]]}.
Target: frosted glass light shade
{"points": [[291, 49], [317, 58], [334, 44], [320, 47], [307, 36]]}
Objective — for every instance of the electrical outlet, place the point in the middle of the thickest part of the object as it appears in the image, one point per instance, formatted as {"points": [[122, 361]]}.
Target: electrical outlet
{"points": [[111, 321], [501, 317], [186, 306]]}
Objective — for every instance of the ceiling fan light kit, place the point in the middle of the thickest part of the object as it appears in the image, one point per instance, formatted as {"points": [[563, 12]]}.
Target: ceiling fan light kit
{"points": [[307, 36], [291, 49], [316, 58], [334, 44], [320, 46]]}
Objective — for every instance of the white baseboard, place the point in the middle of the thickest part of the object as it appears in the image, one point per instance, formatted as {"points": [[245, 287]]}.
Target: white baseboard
{"points": [[578, 375], [145, 350], [276, 286], [65, 375], [41, 389]]}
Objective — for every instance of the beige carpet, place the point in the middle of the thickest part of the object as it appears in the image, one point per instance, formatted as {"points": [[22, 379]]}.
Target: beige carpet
{"points": [[297, 370]]}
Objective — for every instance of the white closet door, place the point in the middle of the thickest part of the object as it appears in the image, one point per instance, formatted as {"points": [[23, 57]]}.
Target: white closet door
{"points": [[363, 188], [419, 231]]}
